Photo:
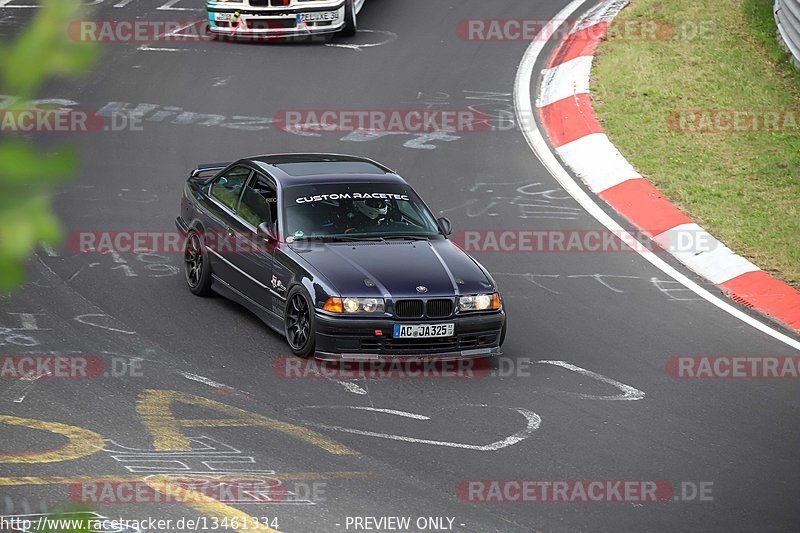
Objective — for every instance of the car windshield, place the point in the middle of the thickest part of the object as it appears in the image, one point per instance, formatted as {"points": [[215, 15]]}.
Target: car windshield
{"points": [[352, 210]]}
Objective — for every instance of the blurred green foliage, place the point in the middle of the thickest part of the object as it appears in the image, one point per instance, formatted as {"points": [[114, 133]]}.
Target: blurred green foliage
{"points": [[28, 177], [70, 519]]}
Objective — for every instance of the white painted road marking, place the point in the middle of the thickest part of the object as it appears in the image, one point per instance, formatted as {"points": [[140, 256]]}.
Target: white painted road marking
{"points": [[628, 392], [146, 48], [7, 5], [351, 387], [390, 36], [405, 414], [17, 391], [532, 423], [84, 319], [204, 380], [169, 6], [392, 412]]}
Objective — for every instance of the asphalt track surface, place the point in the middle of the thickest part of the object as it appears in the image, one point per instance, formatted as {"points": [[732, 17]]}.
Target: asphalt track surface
{"points": [[609, 313]]}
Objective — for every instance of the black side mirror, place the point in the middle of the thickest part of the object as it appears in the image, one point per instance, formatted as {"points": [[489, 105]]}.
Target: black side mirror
{"points": [[267, 231], [445, 225]]}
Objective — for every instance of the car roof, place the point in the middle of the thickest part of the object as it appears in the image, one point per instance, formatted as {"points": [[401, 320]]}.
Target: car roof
{"points": [[315, 169]]}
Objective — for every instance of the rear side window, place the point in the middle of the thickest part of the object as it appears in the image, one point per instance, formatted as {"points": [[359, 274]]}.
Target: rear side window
{"points": [[228, 187], [259, 202]]}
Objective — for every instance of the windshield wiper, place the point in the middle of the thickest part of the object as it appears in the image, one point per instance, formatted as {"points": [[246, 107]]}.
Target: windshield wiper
{"points": [[350, 238], [368, 238], [333, 238], [407, 237]]}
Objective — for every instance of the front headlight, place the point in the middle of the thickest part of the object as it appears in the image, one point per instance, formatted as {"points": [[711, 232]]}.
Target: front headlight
{"points": [[479, 302], [363, 305]]}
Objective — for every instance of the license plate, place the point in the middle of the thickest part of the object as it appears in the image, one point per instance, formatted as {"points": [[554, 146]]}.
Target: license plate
{"points": [[223, 17], [319, 16], [421, 331]]}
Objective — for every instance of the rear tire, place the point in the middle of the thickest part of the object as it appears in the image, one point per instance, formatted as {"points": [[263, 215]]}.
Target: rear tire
{"points": [[350, 20], [196, 266], [299, 326]]}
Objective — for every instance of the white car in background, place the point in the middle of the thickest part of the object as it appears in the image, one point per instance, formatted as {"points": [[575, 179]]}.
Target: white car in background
{"points": [[277, 19]]}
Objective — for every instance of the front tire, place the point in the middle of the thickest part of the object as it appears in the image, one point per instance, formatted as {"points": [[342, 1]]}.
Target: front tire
{"points": [[350, 20], [299, 327], [196, 266]]}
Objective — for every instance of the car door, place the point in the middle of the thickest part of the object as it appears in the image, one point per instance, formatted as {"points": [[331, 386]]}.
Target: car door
{"points": [[254, 257], [224, 194]]}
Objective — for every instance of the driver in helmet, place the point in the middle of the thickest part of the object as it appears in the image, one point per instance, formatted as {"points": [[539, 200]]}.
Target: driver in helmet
{"points": [[366, 214]]}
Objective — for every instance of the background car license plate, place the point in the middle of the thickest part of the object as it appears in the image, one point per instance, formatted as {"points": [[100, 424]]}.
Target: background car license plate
{"points": [[423, 330], [320, 16], [224, 17]]}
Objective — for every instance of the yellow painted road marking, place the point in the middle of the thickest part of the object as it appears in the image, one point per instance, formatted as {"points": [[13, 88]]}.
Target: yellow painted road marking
{"points": [[81, 442], [155, 409]]}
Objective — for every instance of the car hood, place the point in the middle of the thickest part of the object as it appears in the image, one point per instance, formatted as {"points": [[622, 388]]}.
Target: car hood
{"points": [[396, 268]]}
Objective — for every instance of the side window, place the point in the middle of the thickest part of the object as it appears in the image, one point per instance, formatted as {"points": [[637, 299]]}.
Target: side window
{"points": [[416, 215], [259, 202], [409, 211], [228, 187]]}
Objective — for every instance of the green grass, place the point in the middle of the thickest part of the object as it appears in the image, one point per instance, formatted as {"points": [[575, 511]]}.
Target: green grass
{"points": [[744, 188]]}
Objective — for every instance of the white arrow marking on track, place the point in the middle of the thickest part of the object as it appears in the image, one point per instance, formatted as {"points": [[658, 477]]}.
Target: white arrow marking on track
{"points": [[628, 392]]}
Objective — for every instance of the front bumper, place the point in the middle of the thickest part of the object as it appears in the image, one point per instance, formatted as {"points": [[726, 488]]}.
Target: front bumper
{"points": [[354, 339], [274, 22]]}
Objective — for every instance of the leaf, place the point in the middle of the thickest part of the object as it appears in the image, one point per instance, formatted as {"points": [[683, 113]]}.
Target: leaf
{"points": [[46, 48], [43, 50], [21, 164]]}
